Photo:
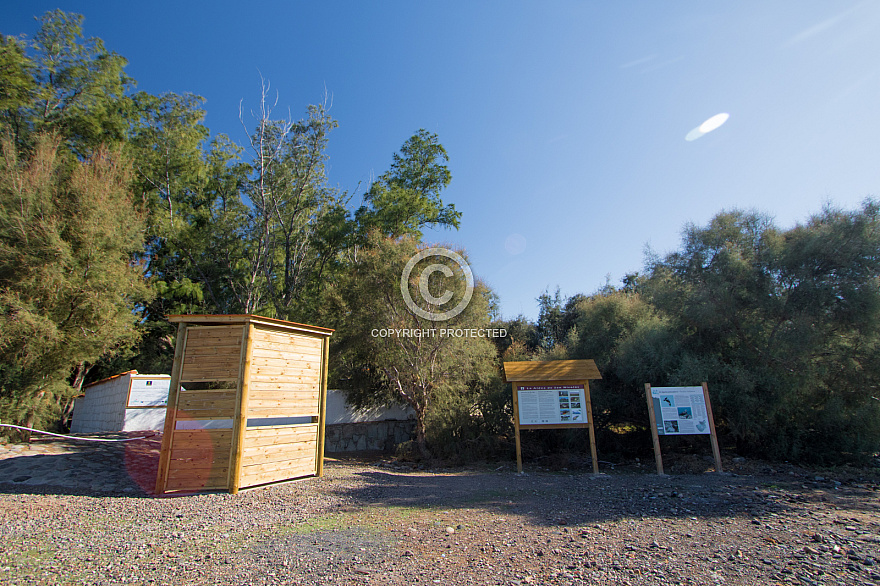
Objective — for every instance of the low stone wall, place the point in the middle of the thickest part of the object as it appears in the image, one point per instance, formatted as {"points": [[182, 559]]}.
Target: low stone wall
{"points": [[370, 435]]}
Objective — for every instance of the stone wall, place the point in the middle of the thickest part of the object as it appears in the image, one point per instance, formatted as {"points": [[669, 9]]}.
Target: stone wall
{"points": [[372, 435]]}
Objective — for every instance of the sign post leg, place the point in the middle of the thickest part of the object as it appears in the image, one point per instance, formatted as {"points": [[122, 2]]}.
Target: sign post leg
{"points": [[658, 459], [519, 467], [589, 412], [518, 450], [712, 437]]}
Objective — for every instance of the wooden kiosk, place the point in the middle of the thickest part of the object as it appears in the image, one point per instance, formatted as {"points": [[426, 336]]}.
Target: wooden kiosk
{"points": [[246, 404], [552, 395]]}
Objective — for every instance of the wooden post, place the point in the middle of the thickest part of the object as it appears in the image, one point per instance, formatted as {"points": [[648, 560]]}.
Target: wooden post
{"points": [[590, 420], [652, 418], [322, 406], [171, 410], [239, 422], [712, 436], [519, 467]]}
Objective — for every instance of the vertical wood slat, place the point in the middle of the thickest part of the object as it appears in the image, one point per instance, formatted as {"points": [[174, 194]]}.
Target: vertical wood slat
{"points": [[241, 408], [322, 408], [652, 419], [171, 410], [713, 438]]}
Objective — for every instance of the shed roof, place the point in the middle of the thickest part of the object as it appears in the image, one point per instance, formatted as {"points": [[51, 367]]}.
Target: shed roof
{"points": [[204, 319], [109, 378], [549, 371]]}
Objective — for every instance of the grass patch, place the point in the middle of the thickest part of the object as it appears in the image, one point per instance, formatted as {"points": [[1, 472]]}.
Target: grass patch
{"points": [[376, 519], [331, 522]]}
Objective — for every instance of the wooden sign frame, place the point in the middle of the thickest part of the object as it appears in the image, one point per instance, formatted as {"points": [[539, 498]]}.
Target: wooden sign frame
{"points": [[557, 375], [713, 437]]}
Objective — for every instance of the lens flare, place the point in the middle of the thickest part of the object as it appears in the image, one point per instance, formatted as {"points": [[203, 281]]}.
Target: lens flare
{"points": [[714, 122], [708, 126]]}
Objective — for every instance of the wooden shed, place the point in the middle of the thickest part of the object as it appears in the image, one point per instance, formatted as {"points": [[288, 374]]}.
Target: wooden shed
{"points": [[246, 405]]}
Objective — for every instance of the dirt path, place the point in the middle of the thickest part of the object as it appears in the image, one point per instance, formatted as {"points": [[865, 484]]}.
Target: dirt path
{"points": [[378, 523]]}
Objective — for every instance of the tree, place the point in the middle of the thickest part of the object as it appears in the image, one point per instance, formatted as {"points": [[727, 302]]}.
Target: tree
{"points": [[288, 222], [77, 87], [406, 198], [432, 372], [632, 343], [16, 83], [785, 325], [68, 234]]}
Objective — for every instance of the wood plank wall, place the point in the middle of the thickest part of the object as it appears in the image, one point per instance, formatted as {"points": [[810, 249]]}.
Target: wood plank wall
{"points": [[285, 381], [200, 457]]}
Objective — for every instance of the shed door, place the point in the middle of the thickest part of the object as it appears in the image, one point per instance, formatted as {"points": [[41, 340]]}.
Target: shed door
{"points": [[283, 407], [202, 436]]}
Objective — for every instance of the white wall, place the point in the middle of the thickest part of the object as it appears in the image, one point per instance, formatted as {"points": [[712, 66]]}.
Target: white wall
{"points": [[144, 419], [104, 408], [339, 412]]}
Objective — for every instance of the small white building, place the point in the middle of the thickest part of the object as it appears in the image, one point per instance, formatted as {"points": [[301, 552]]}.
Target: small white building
{"points": [[125, 402]]}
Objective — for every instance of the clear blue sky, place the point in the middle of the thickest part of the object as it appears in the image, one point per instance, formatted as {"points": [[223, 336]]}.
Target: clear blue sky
{"points": [[564, 121]]}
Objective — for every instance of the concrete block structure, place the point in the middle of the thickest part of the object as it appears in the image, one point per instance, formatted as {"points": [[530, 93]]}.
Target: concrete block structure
{"points": [[125, 402]]}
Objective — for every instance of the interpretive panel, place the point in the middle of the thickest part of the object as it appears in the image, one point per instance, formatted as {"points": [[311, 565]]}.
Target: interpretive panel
{"points": [[680, 410], [551, 404]]}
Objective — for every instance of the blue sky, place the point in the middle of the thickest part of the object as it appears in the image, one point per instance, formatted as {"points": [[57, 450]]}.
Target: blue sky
{"points": [[564, 121]]}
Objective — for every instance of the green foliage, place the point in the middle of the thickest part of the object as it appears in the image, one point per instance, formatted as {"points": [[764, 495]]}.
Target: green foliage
{"points": [[441, 377], [787, 323], [521, 339], [16, 82], [297, 221], [782, 324], [407, 197], [78, 89], [68, 233]]}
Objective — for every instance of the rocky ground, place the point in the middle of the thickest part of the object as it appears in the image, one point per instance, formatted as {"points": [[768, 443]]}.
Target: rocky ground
{"points": [[379, 522]]}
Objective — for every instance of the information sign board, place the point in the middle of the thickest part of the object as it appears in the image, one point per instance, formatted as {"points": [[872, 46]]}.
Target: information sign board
{"points": [[549, 404], [680, 410], [552, 394], [149, 393]]}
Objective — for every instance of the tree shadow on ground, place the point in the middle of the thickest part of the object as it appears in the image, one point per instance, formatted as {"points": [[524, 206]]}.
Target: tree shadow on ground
{"points": [[567, 499]]}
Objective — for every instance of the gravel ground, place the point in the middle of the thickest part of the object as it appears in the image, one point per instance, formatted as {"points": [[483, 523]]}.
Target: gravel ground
{"points": [[378, 522]]}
